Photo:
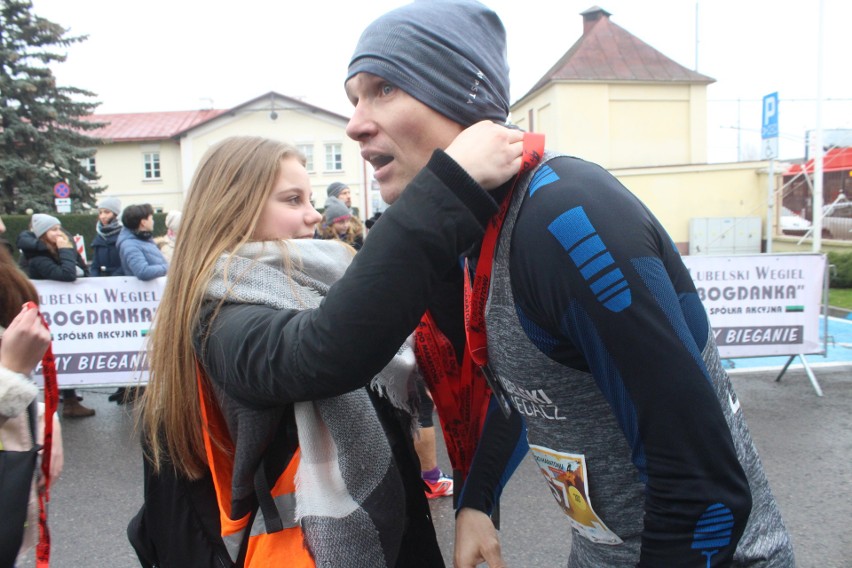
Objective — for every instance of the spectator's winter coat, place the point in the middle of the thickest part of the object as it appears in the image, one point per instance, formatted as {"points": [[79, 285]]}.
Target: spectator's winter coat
{"points": [[42, 265], [105, 258], [140, 256]]}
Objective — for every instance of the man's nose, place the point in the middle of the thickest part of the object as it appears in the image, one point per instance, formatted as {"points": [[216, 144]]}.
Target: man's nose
{"points": [[360, 126]]}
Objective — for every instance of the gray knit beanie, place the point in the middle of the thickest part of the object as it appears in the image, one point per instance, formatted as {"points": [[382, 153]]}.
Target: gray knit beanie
{"points": [[335, 210], [335, 188], [42, 223], [448, 54], [112, 204]]}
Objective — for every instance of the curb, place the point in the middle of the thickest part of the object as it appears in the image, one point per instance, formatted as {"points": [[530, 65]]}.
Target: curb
{"points": [[839, 312]]}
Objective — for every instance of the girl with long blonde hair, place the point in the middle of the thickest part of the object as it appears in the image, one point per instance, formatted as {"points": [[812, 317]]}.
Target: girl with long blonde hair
{"points": [[270, 368]]}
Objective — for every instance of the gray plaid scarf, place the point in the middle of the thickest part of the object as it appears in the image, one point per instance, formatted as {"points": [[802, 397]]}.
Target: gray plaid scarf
{"points": [[346, 460]]}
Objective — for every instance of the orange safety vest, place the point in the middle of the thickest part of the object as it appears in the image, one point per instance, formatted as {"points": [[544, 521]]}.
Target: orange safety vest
{"points": [[267, 546]]}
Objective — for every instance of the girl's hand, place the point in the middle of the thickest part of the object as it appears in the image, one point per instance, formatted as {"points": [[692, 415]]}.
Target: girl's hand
{"points": [[63, 242], [24, 341]]}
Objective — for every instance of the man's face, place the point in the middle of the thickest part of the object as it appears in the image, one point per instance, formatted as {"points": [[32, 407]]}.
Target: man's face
{"points": [[345, 196], [397, 133]]}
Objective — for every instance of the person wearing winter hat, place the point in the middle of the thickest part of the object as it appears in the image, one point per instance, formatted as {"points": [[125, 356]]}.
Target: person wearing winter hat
{"points": [[594, 324], [51, 255], [166, 243], [337, 224], [341, 191], [105, 258]]}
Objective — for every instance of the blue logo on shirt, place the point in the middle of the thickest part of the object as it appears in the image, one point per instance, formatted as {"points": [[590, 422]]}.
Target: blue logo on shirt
{"points": [[578, 237], [713, 530]]}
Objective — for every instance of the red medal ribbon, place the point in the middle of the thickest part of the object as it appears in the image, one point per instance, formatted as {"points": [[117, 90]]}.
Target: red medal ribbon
{"points": [[51, 402], [476, 295], [459, 393]]}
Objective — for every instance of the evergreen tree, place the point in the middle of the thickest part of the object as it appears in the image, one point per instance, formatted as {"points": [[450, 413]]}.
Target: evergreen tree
{"points": [[43, 130]]}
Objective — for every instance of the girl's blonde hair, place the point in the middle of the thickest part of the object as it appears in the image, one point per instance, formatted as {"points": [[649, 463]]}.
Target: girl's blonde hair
{"points": [[221, 212]]}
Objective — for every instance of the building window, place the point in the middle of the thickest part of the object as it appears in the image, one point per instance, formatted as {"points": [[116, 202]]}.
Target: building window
{"points": [[307, 150], [152, 165], [333, 157], [89, 165]]}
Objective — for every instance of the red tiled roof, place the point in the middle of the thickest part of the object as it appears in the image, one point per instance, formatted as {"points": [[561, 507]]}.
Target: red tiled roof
{"points": [[607, 52], [135, 127], [835, 160]]}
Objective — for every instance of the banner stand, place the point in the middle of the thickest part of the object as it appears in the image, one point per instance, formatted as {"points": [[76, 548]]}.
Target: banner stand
{"points": [[801, 356], [807, 370]]}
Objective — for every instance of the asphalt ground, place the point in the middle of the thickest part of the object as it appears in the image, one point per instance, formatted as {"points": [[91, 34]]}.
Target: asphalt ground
{"points": [[805, 442]]}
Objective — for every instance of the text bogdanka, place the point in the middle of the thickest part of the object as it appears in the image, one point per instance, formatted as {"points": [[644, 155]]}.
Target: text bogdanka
{"points": [[761, 272]]}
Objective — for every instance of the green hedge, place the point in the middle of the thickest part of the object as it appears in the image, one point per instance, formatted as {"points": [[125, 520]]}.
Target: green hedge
{"points": [[841, 275], [76, 223]]}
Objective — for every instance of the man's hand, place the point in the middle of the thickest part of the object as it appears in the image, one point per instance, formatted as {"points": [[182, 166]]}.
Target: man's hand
{"points": [[24, 342], [489, 152], [476, 541]]}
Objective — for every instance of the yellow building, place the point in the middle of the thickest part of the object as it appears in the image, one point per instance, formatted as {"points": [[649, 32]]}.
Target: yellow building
{"points": [[614, 100], [151, 157]]}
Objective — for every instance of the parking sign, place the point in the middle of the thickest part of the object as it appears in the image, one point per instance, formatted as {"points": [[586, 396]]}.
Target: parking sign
{"points": [[769, 126]]}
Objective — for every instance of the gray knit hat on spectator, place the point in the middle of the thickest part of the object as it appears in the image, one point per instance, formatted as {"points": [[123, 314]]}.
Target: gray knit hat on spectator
{"points": [[335, 210], [42, 223], [335, 188], [112, 204], [448, 54]]}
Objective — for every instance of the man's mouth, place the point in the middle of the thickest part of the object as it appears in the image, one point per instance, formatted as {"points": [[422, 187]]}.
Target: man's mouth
{"points": [[378, 161]]}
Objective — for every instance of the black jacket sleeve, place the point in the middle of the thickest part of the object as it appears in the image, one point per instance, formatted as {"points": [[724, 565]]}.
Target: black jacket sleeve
{"points": [[266, 357]]}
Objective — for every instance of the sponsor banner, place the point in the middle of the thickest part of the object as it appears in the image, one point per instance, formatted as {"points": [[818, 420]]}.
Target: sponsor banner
{"points": [[99, 326], [761, 305]]}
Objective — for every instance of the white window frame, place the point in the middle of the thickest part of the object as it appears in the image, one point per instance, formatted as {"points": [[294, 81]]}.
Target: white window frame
{"points": [[334, 157], [90, 164], [151, 166], [307, 150]]}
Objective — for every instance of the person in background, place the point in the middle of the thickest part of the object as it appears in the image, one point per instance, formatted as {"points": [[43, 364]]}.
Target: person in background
{"points": [[4, 242], [105, 258], [166, 243], [425, 444], [106, 261], [51, 255], [23, 341], [584, 317], [342, 192], [337, 224], [140, 256]]}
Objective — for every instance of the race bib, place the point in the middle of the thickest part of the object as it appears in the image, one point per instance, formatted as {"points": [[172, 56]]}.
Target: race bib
{"points": [[565, 474]]}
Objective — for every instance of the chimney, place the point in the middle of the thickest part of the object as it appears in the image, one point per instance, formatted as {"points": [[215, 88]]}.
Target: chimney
{"points": [[591, 17]]}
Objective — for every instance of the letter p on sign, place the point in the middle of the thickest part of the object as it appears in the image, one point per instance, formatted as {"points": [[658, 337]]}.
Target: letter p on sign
{"points": [[769, 126]]}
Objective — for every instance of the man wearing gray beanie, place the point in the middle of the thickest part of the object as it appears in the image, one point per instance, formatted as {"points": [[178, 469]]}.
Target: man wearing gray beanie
{"points": [[335, 189], [593, 328]]}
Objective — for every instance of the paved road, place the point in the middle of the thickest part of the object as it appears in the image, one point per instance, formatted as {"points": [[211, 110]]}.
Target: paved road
{"points": [[805, 444]]}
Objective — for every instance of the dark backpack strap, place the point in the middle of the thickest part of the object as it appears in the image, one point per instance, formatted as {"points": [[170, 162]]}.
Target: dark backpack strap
{"points": [[263, 492], [273, 463]]}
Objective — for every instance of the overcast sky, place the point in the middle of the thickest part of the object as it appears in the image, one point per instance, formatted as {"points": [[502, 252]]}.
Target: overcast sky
{"points": [[161, 55]]}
